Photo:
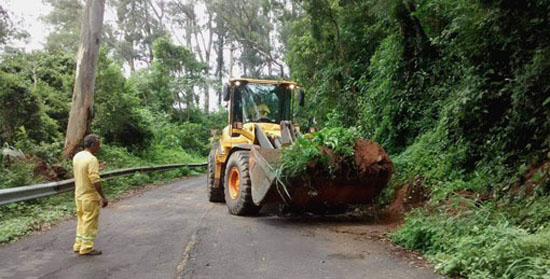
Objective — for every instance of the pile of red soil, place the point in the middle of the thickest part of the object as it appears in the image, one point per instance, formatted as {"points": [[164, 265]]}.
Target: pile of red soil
{"points": [[49, 172], [41, 168]]}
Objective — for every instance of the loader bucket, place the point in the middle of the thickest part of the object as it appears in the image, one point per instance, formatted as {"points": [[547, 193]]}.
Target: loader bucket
{"points": [[313, 190], [263, 162]]}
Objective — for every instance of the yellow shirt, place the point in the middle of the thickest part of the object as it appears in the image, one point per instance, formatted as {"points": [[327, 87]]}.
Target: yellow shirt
{"points": [[86, 173]]}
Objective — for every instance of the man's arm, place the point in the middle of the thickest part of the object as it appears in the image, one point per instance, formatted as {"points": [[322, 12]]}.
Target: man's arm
{"points": [[104, 201], [93, 175]]}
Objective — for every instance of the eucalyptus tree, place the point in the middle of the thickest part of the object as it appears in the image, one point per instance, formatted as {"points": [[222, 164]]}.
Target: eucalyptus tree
{"points": [[81, 112], [138, 24], [65, 18], [197, 19], [249, 26], [9, 29], [177, 72]]}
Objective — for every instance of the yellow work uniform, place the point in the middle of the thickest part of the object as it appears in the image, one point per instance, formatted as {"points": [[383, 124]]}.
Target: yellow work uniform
{"points": [[257, 111], [263, 109], [86, 173]]}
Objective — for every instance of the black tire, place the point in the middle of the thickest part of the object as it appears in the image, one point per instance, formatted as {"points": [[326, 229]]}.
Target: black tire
{"points": [[241, 204], [214, 194]]}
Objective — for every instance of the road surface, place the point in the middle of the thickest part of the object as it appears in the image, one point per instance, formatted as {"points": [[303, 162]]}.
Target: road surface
{"points": [[172, 231]]}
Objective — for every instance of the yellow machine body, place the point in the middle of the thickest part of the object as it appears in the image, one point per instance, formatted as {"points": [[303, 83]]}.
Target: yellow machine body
{"points": [[235, 137]]}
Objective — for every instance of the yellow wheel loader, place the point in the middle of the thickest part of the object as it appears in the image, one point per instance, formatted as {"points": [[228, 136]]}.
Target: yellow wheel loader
{"points": [[243, 159]]}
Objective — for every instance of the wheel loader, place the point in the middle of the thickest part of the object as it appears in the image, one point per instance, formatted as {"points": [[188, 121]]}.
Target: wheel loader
{"points": [[243, 159]]}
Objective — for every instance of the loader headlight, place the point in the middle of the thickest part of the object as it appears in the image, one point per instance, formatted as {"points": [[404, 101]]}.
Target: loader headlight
{"points": [[237, 83], [291, 87]]}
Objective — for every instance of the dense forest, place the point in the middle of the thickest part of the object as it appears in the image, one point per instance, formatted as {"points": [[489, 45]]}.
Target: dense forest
{"points": [[457, 92]]}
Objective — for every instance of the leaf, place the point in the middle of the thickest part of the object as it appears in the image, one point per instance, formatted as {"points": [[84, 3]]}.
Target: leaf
{"points": [[522, 169]]}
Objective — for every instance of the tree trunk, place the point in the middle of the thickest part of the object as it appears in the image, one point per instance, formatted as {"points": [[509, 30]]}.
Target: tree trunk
{"points": [[83, 94], [206, 89], [219, 68], [231, 60]]}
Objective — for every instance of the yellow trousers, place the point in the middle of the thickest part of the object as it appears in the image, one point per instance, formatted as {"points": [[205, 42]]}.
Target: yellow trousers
{"points": [[86, 229]]}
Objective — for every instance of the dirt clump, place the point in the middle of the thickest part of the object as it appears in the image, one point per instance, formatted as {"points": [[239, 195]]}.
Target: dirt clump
{"points": [[334, 159], [409, 196], [528, 182], [371, 158]]}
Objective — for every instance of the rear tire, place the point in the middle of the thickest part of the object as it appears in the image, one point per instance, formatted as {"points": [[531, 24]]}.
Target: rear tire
{"points": [[214, 194], [238, 186]]}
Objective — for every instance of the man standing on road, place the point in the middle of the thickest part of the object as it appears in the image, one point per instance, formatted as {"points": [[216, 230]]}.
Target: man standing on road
{"points": [[88, 196]]}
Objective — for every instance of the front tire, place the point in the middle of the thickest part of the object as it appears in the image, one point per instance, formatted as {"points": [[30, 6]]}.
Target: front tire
{"points": [[214, 194], [238, 196]]}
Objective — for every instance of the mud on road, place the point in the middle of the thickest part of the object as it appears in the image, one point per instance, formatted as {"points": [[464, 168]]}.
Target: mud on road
{"points": [[172, 231]]}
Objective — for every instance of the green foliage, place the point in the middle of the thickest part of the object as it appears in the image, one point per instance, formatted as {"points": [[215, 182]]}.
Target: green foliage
{"points": [[173, 76], [41, 85], [25, 110], [428, 65], [305, 151], [119, 119], [65, 18], [477, 243], [18, 174], [9, 28]]}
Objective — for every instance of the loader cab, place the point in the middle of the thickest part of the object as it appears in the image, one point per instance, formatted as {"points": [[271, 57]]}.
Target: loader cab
{"points": [[255, 101]]}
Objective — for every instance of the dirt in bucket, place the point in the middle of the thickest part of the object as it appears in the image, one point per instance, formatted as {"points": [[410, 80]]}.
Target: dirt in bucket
{"points": [[372, 159]]}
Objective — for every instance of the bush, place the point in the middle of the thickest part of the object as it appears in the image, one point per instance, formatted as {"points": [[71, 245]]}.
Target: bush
{"points": [[25, 110], [119, 120], [477, 243], [19, 173]]}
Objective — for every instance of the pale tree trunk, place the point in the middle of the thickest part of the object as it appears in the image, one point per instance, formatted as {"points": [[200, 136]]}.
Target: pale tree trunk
{"points": [[206, 90], [83, 94], [219, 68], [231, 61], [203, 49], [207, 52]]}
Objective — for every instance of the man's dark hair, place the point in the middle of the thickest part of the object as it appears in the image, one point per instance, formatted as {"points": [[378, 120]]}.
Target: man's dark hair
{"points": [[90, 139]]}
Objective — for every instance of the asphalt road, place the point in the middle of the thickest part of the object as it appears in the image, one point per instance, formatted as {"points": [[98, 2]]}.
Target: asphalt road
{"points": [[172, 231]]}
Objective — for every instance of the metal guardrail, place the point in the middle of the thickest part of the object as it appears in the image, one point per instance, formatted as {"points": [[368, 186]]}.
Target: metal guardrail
{"points": [[30, 192]]}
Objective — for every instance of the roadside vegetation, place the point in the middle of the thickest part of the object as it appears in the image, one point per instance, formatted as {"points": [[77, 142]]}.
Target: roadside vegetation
{"points": [[457, 92]]}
